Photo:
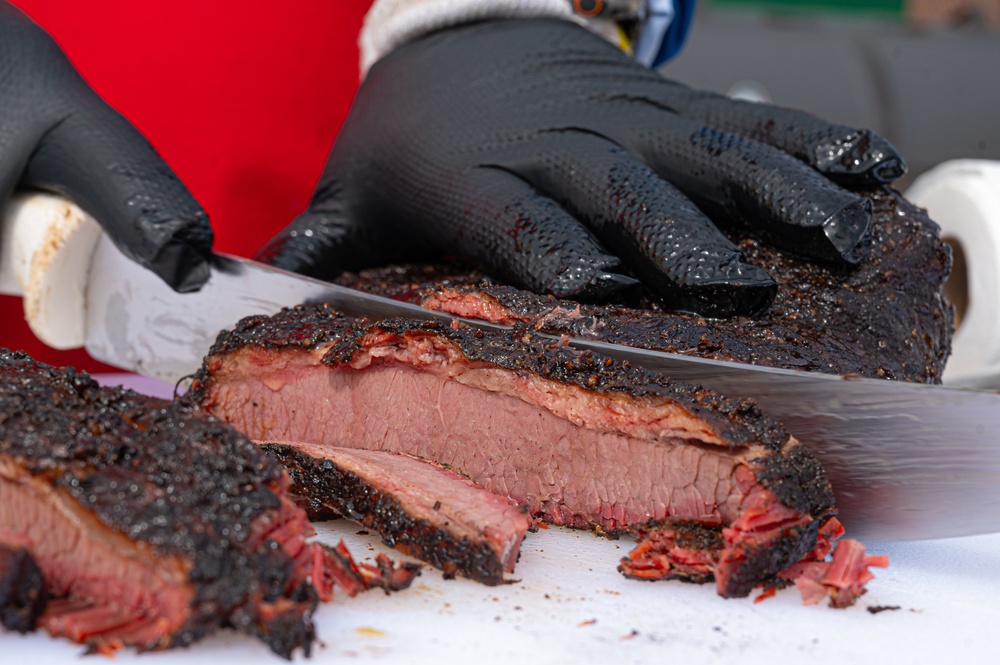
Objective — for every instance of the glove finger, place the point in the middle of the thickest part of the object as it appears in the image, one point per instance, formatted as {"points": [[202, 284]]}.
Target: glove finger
{"points": [[852, 157], [590, 69], [494, 219], [731, 177], [95, 157], [488, 217], [330, 237], [676, 250]]}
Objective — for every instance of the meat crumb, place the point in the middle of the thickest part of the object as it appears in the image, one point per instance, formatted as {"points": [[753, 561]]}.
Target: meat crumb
{"points": [[842, 579], [875, 609]]}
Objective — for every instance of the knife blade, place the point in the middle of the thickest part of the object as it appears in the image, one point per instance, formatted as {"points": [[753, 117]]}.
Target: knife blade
{"points": [[136, 322], [907, 461]]}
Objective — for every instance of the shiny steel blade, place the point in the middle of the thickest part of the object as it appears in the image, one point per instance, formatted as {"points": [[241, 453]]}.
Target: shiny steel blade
{"points": [[136, 322], [906, 461]]}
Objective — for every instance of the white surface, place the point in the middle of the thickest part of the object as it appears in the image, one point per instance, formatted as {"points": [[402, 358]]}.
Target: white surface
{"points": [[963, 196], [569, 604]]}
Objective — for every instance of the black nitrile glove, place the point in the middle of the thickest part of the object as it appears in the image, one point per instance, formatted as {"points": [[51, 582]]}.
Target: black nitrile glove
{"points": [[535, 150], [56, 134]]}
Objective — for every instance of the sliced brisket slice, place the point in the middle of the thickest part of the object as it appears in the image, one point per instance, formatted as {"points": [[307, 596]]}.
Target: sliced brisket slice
{"points": [[580, 439], [420, 508], [885, 318], [151, 523]]}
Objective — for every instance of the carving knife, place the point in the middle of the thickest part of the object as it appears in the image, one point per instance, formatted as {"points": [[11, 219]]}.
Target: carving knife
{"points": [[907, 461]]}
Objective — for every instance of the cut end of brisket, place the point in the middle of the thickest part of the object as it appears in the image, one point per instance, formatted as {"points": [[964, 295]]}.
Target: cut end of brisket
{"points": [[579, 439], [422, 509], [151, 523], [766, 538]]}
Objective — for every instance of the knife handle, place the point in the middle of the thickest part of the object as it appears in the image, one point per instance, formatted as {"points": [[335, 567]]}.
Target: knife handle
{"points": [[46, 244]]}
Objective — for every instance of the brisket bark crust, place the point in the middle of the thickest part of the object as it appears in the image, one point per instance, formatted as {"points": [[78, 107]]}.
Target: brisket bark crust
{"points": [[22, 589], [422, 509], [152, 523], [580, 439], [885, 318]]}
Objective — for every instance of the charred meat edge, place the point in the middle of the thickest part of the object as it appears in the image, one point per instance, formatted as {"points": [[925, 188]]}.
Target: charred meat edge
{"points": [[416, 506]]}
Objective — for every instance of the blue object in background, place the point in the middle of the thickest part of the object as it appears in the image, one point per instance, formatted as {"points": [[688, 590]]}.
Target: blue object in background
{"points": [[664, 30]]}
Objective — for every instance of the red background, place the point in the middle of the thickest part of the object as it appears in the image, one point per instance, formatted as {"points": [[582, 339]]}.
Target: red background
{"points": [[243, 99]]}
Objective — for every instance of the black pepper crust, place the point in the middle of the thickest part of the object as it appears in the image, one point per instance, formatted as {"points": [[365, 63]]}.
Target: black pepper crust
{"points": [[789, 470], [324, 486], [761, 560], [798, 480], [22, 590], [162, 473], [307, 327], [884, 318]]}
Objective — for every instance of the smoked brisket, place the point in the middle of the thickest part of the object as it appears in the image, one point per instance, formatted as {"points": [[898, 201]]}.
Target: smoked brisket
{"points": [[884, 318], [150, 523], [579, 439], [422, 509]]}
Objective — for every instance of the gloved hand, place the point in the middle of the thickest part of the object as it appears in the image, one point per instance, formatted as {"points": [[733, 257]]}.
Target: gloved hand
{"points": [[56, 134], [539, 152]]}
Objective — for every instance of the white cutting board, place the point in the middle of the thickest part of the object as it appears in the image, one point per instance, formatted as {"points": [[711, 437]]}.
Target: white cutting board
{"points": [[569, 604]]}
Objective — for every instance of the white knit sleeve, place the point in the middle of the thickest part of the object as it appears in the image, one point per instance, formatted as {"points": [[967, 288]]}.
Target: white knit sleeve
{"points": [[392, 23]]}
